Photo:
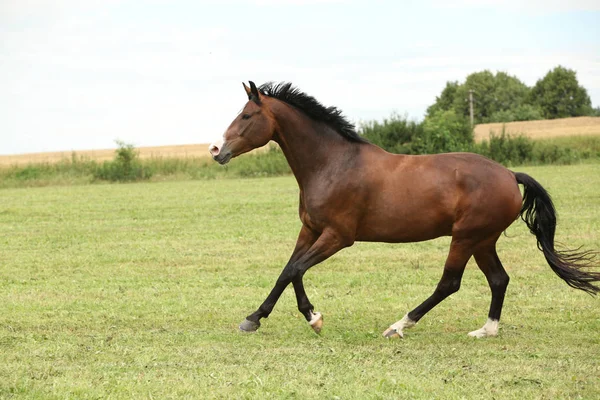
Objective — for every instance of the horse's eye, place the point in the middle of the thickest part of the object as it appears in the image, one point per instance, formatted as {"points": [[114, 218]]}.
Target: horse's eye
{"points": [[246, 116]]}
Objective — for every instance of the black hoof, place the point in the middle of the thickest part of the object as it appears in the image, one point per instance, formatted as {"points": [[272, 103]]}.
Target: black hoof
{"points": [[249, 326]]}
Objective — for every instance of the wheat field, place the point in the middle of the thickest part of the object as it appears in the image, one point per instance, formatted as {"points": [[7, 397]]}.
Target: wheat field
{"points": [[176, 151], [548, 128]]}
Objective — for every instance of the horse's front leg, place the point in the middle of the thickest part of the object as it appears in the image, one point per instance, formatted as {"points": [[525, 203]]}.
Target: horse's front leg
{"points": [[306, 254]]}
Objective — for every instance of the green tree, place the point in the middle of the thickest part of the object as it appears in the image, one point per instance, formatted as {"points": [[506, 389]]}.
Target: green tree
{"points": [[524, 112], [445, 100], [559, 95], [494, 94]]}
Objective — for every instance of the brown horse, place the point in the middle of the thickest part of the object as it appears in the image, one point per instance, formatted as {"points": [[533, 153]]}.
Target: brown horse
{"points": [[351, 190]]}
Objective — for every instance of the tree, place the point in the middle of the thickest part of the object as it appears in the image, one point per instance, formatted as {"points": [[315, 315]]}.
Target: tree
{"points": [[559, 95], [524, 112], [499, 93], [445, 101]]}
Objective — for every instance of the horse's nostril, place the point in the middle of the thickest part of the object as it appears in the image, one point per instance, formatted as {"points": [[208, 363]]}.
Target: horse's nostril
{"points": [[214, 150]]}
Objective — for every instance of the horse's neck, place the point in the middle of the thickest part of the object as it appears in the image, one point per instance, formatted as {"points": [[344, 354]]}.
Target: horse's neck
{"points": [[311, 148]]}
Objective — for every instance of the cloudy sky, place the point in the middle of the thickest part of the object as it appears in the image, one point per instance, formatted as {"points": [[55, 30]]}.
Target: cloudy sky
{"points": [[79, 74]]}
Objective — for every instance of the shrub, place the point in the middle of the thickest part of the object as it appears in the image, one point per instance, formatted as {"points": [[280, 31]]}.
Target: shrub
{"points": [[507, 149], [443, 131], [550, 153], [393, 134], [126, 166]]}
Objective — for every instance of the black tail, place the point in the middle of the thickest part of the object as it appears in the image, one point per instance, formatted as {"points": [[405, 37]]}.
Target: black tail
{"points": [[539, 215]]}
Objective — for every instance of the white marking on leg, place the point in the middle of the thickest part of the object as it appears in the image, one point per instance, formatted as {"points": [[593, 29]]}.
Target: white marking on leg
{"points": [[399, 326], [314, 318], [316, 321], [489, 329]]}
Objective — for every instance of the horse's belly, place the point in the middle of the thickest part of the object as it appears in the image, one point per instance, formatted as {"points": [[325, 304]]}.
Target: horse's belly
{"points": [[403, 229]]}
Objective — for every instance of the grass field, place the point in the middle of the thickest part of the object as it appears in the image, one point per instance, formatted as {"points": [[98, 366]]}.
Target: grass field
{"points": [[549, 128], [136, 290]]}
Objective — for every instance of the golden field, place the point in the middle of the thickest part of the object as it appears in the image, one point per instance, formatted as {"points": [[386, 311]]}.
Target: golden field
{"points": [[180, 151], [548, 128]]}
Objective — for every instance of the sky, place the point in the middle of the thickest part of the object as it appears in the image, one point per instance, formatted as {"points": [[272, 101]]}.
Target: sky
{"points": [[80, 74]]}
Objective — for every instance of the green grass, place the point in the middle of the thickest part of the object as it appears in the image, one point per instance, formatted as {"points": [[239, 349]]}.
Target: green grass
{"points": [[135, 291]]}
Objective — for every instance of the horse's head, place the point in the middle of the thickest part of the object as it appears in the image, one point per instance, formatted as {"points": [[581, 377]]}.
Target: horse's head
{"points": [[252, 128]]}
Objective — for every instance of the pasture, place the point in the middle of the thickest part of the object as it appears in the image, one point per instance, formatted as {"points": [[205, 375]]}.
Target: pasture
{"points": [[136, 291]]}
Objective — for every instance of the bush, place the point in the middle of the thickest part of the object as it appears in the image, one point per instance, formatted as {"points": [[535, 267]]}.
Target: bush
{"points": [[443, 131], [125, 167], [506, 149], [393, 134]]}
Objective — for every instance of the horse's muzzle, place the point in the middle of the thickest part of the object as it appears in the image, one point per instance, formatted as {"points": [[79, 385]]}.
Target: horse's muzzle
{"points": [[223, 157], [220, 152]]}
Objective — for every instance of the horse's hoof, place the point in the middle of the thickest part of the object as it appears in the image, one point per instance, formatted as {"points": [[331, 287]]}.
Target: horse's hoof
{"points": [[391, 333], [316, 322], [249, 326]]}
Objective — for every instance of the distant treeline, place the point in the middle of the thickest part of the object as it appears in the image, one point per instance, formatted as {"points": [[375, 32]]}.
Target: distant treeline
{"points": [[503, 98], [497, 98]]}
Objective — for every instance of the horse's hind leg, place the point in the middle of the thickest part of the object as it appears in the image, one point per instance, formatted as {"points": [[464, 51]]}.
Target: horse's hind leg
{"points": [[488, 261], [460, 252], [315, 319]]}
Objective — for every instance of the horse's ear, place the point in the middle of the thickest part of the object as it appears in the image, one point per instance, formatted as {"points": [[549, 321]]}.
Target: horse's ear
{"points": [[248, 91], [252, 92], [254, 95]]}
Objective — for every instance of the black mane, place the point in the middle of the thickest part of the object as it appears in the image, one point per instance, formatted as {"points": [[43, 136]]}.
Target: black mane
{"points": [[333, 117]]}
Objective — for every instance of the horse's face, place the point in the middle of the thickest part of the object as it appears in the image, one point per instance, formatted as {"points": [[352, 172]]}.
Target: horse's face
{"points": [[251, 129]]}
